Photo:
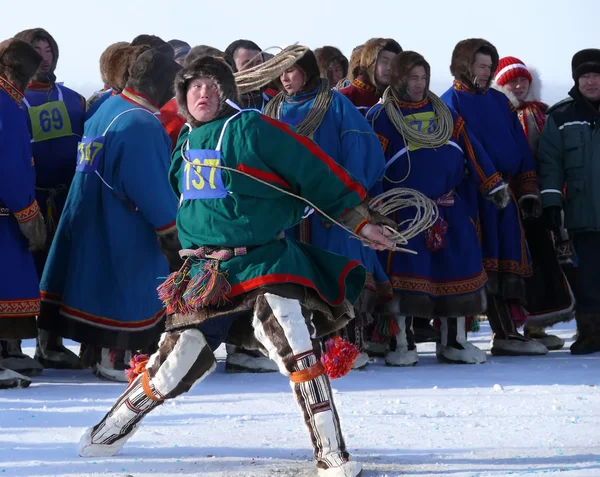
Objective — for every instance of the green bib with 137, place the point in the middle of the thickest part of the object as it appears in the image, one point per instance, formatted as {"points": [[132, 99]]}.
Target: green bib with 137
{"points": [[50, 121]]}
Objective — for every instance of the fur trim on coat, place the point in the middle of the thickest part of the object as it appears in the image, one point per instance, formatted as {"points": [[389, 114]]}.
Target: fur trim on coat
{"points": [[18, 62], [463, 58]]}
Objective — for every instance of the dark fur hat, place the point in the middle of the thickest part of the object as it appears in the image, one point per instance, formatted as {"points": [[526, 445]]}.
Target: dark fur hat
{"points": [[585, 61], [156, 43], [152, 74], [327, 56], [370, 53], [117, 63], [309, 66], [206, 67], [33, 35], [402, 64], [18, 62], [205, 50], [463, 58]]}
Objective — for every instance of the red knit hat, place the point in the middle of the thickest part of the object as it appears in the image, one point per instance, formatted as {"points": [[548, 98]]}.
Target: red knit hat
{"points": [[510, 68]]}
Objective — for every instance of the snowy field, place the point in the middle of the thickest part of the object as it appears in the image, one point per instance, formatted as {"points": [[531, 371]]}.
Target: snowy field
{"points": [[511, 416]]}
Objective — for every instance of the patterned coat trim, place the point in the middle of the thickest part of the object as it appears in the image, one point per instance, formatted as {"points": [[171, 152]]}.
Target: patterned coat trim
{"points": [[19, 308], [439, 289], [360, 83], [508, 266], [526, 184], [491, 183], [28, 213], [10, 89]]}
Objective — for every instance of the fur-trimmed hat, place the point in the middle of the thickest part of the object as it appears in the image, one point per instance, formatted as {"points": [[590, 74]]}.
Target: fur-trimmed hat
{"points": [[401, 66], [156, 43], [370, 53], [463, 58], [117, 62], [18, 62], [205, 50], [206, 67], [510, 68], [36, 34], [327, 56], [354, 64], [585, 61], [152, 74], [105, 59]]}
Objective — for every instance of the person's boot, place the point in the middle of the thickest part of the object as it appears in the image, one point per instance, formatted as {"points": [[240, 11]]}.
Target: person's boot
{"points": [[588, 338], [51, 353], [424, 331], [405, 352], [453, 346], [112, 364], [506, 340], [240, 360], [537, 333], [10, 379], [13, 358]]}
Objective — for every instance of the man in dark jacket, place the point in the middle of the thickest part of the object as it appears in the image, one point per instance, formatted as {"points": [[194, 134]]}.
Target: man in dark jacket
{"points": [[569, 152]]}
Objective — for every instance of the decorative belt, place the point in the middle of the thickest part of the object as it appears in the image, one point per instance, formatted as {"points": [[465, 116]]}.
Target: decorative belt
{"points": [[446, 200]]}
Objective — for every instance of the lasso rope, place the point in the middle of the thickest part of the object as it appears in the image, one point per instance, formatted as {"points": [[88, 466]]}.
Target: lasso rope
{"points": [[261, 75], [317, 112], [411, 136]]}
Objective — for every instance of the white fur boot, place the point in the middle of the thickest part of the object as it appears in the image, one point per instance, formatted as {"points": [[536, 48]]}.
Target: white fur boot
{"points": [[405, 353], [454, 347], [347, 469]]}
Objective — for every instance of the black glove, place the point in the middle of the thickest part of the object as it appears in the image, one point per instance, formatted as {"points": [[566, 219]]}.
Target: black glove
{"points": [[552, 217], [170, 247], [530, 208]]}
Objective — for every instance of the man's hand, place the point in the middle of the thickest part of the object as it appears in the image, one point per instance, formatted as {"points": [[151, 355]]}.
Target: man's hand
{"points": [[378, 236]]}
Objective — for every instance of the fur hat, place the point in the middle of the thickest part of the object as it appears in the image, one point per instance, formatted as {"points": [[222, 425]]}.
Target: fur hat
{"points": [[152, 74], [205, 50], [18, 62], [310, 67], [354, 64], [236, 45], [117, 62], [105, 59], [402, 63], [206, 67], [510, 68], [585, 61], [180, 48], [463, 58], [370, 53], [156, 43], [36, 34], [327, 56]]}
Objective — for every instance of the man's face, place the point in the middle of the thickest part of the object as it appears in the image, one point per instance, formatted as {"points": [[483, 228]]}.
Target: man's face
{"points": [[589, 86], [416, 85], [203, 99], [383, 67], [245, 59], [519, 87], [45, 50], [292, 80], [482, 69], [337, 73]]}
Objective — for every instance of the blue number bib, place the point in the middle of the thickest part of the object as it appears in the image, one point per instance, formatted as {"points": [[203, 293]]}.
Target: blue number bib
{"points": [[201, 180], [90, 152]]}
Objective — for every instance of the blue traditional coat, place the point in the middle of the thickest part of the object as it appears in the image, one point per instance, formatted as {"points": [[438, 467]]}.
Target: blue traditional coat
{"points": [[493, 121], [347, 138], [19, 291], [446, 277], [105, 263]]}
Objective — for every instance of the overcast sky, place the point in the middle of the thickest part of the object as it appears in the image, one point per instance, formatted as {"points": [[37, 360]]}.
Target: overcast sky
{"points": [[545, 34]]}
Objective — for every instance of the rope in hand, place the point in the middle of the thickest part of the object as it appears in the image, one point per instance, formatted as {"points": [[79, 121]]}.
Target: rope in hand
{"points": [[261, 75]]}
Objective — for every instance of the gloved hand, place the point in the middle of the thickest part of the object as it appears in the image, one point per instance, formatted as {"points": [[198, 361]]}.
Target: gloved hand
{"points": [[35, 231], [552, 217], [170, 247], [530, 208], [500, 198]]}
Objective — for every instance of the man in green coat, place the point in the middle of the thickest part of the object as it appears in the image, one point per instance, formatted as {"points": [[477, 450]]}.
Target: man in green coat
{"points": [[240, 271], [569, 154]]}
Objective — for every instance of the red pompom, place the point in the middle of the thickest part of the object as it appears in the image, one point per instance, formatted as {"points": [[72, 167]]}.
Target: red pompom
{"points": [[137, 366], [339, 357]]}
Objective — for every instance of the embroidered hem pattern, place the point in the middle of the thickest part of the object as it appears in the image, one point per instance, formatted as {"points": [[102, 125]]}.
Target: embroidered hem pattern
{"points": [[28, 213], [19, 308], [422, 285]]}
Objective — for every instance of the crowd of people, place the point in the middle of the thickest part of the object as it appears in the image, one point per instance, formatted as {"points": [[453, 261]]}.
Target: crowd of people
{"points": [[169, 214]]}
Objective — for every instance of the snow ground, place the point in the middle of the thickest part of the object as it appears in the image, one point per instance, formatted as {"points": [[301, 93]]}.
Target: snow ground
{"points": [[430, 420]]}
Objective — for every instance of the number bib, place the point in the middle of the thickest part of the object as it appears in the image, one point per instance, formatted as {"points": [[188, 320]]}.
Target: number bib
{"points": [[50, 121], [421, 121], [90, 152], [201, 180]]}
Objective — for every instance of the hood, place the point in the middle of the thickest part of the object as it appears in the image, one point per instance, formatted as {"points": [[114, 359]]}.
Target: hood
{"points": [[18, 62], [370, 53], [534, 95], [205, 50], [33, 35], [354, 64], [106, 63], [309, 65], [206, 67], [152, 74], [156, 43], [117, 64], [463, 57], [327, 56], [402, 63]]}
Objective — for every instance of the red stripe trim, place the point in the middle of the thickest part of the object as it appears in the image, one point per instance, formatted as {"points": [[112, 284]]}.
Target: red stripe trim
{"points": [[264, 175], [109, 322], [339, 171], [165, 227], [275, 278], [361, 226]]}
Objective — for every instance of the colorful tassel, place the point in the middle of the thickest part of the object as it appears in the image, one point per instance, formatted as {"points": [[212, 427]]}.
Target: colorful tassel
{"points": [[386, 327], [208, 288], [434, 236], [472, 324], [172, 290], [137, 366], [518, 314], [339, 357]]}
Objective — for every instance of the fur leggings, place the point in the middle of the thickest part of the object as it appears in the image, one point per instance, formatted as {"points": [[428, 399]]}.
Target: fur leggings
{"points": [[284, 327]]}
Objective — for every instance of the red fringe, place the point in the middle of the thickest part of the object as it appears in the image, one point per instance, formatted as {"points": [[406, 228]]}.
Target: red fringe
{"points": [[137, 366], [339, 357]]}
